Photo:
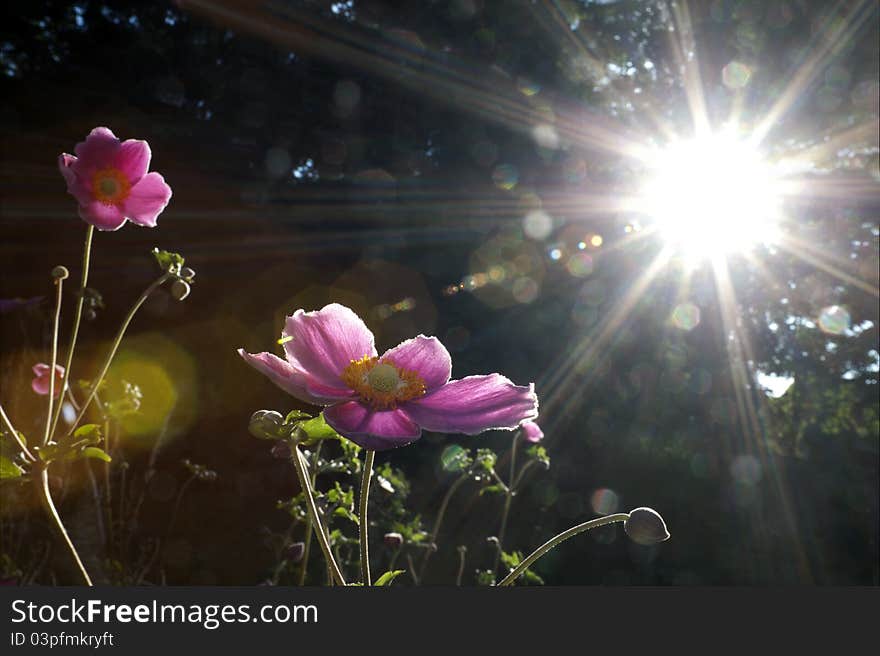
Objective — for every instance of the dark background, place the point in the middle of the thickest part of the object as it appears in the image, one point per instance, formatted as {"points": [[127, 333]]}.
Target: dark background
{"points": [[345, 152]]}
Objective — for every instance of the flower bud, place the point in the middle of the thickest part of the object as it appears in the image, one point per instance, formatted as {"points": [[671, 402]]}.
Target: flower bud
{"points": [[179, 290], [60, 272], [294, 552], [532, 432], [265, 424], [281, 450], [646, 526], [393, 540]]}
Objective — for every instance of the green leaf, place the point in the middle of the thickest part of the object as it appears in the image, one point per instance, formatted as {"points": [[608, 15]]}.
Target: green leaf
{"points": [[342, 511], [90, 432], [168, 261], [389, 576], [9, 469], [318, 429], [492, 489], [296, 416], [95, 452]]}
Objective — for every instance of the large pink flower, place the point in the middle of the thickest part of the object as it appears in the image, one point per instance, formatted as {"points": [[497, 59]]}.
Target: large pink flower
{"points": [[109, 180], [40, 383], [385, 402]]}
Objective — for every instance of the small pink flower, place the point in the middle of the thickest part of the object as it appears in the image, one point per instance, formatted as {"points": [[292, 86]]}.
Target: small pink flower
{"points": [[532, 432], [40, 384], [385, 402], [109, 180]]}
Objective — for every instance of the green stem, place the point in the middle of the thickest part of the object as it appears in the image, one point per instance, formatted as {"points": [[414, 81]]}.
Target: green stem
{"points": [[363, 526], [462, 554], [116, 342], [15, 436], [42, 484], [522, 473], [562, 537], [309, 528], [77, 318], [59, 284], [508, 499], [439, 521], [303, 476]]}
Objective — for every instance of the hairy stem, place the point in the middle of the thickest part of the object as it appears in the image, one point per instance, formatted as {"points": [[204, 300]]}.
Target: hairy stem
{"points": [[363, 527], [42, 485], [307, 540], [303, 475], [562, 537], [116, 342], [77, 318], [59, 286]]}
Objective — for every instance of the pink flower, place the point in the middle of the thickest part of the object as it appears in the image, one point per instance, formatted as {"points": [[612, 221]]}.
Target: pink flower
{"points": [[109, 180], [532, 432], [40, 384], [385, 402]]}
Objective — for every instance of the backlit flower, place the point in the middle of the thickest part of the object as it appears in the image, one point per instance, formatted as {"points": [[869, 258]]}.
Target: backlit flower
{"points": [[109, 180], [382, 402], [40, 383]]}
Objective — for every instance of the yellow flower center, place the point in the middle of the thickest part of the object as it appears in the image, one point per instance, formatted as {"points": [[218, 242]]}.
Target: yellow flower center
{"points": [[110, 186], [382, 384]]}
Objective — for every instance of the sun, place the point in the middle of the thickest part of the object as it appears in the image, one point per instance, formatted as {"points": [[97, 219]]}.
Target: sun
{"points": [[711, 197]]}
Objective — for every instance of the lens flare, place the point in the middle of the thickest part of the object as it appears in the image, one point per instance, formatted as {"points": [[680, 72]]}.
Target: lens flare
{"points": [[712, 196]]}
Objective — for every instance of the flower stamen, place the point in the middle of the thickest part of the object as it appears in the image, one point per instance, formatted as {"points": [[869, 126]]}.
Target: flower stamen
{"points": [[110, 186], [382, 384]]}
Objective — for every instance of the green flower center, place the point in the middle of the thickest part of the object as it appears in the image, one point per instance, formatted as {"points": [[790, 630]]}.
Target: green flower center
{"points": [[383, 378]]}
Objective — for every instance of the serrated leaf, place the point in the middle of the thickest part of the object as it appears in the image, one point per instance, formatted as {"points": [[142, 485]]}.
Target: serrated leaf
{"points": [[168, 260], [389, 576], [9, 469], [318, 429], [295, 416], [95, 452]]}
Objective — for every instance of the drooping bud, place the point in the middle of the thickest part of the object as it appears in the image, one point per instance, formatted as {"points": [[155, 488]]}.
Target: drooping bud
{"points": [[294, 552], [179, 290], [60, 272], [646, 526], [393, 540], [532, 432], [281, 450], [266, 424]]}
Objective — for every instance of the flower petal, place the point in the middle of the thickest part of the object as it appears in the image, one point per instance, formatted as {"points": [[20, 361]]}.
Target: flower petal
{"points": [[96, 152], [292, 380], [372, 429], [146, 200], [40, 369], [326, 341], [475, 404], [133, 159], [40, 385], [75, 186], [424, 355], [532, 431], [102, 215]]}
